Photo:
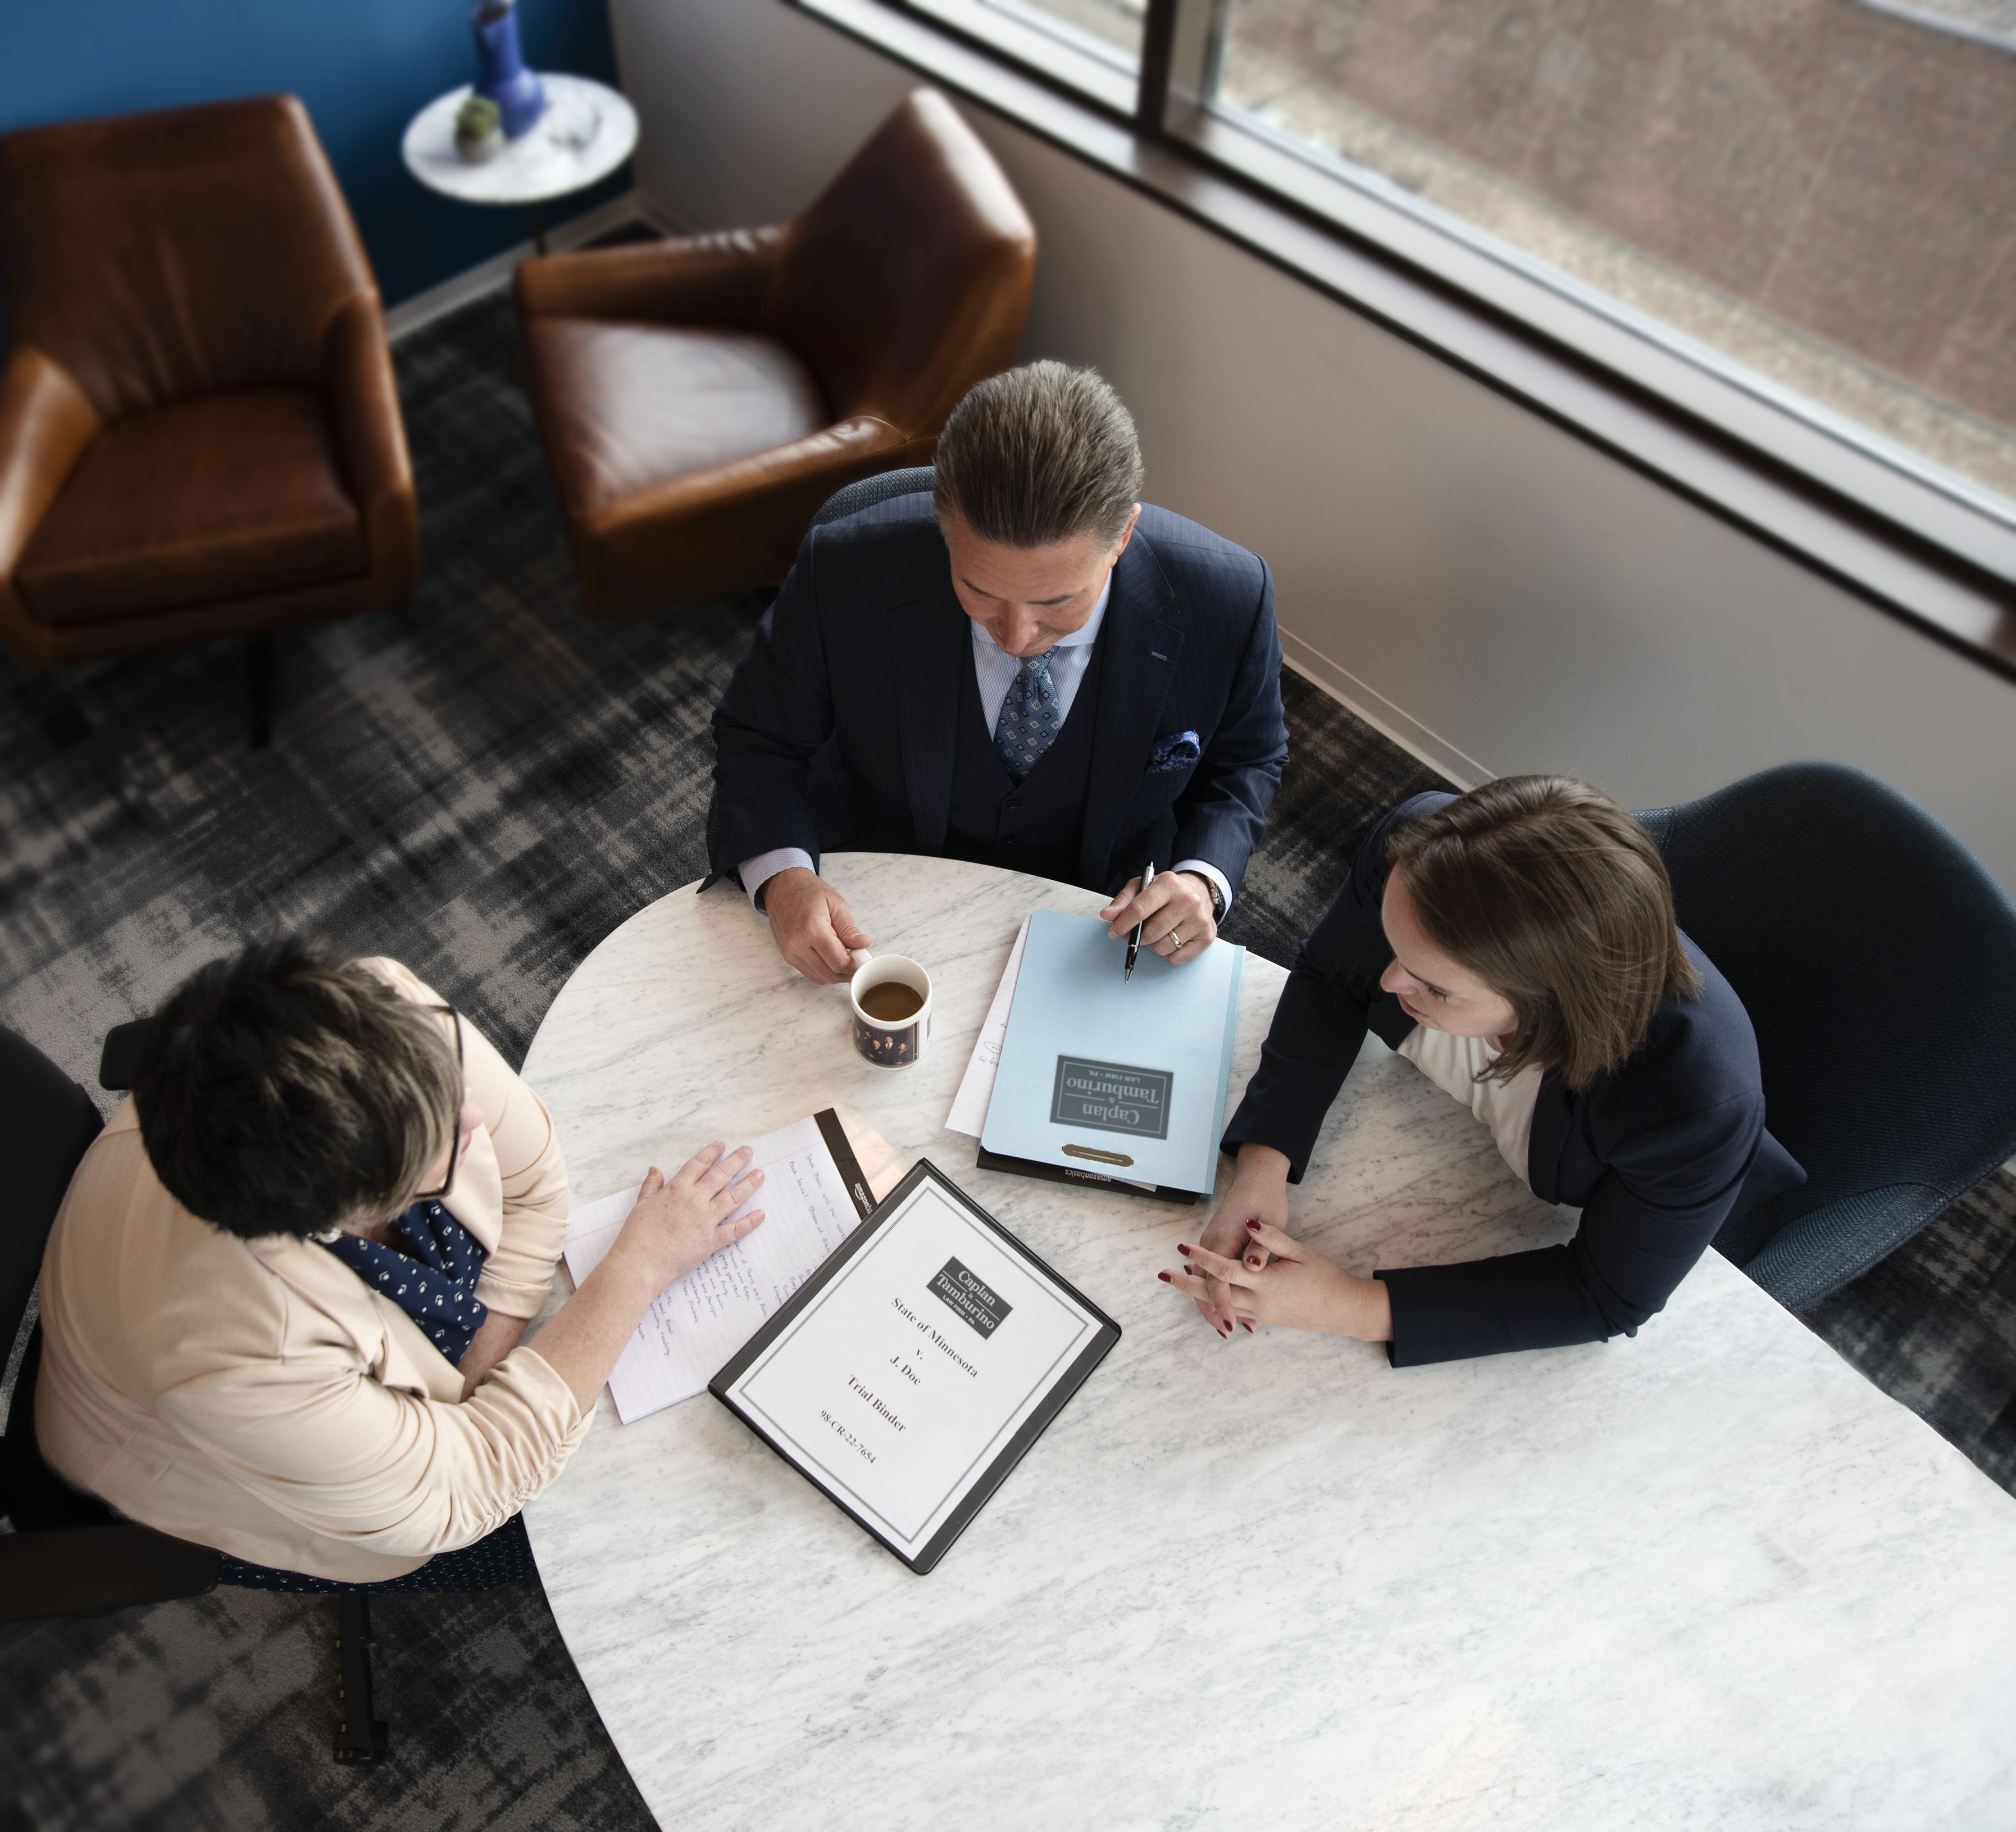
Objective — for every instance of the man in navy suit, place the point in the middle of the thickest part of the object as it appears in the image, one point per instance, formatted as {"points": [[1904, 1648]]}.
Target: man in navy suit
{"points": [[1027, 668]]}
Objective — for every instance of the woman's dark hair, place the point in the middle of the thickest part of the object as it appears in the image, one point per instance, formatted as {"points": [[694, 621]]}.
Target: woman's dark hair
{"points": [[289, 1091], [1557, 899]]}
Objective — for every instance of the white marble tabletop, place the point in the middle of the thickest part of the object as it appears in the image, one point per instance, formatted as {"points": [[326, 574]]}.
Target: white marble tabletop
{"points": [[588, 130], [1708, 1577]]}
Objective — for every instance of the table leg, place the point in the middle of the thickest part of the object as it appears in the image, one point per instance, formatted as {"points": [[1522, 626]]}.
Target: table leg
{"points": [[538, 228]]}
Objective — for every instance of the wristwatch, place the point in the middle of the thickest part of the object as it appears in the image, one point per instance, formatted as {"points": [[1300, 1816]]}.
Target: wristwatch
{"points": [[1217, 896]]}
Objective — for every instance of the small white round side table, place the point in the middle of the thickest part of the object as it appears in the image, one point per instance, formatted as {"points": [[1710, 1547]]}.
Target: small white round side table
{"points": [[588, 130]]}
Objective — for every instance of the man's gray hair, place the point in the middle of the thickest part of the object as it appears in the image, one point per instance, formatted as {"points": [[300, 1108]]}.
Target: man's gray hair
{"points": [[1041, 455]]}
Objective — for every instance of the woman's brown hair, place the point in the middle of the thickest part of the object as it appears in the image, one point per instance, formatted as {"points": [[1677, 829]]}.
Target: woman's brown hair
{"points": [[1557, 899]]}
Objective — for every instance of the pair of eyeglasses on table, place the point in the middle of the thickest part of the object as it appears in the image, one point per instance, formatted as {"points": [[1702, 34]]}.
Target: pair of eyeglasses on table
{"points": [[461, 1138]]}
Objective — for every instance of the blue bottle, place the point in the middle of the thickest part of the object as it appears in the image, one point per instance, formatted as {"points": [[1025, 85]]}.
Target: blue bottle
{"points": [[519, 96]]}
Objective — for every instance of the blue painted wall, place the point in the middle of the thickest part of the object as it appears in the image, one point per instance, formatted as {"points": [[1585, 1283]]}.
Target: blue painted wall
{"points": [[363, 67]]}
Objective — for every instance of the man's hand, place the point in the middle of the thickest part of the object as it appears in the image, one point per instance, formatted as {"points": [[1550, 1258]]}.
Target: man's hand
{"points": [[813, 925], [1175, 911]]}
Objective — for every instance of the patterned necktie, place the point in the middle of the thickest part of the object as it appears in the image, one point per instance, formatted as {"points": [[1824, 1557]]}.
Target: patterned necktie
{"points": [[1028, 719]]}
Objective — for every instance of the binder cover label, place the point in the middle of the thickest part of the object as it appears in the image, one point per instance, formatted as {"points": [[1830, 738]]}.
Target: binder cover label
{"points": [[1111, 1097], [969, 1296]]}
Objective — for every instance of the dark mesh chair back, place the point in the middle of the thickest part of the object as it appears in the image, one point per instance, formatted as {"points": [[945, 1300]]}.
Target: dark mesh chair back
{"points": [[1877, 960], [870, 491], [70, 1554], [51, 1122]]}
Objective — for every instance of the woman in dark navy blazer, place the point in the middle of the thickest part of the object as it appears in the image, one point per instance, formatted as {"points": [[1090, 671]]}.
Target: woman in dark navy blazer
{"points": [[1518, 945]]}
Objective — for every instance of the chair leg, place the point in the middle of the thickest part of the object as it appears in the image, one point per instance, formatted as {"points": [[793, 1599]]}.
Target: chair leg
{"points": [[360, 1736], [259, 689]]}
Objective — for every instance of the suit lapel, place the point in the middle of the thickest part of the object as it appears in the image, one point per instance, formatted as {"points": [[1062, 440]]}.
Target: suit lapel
{"points": [[929, 641], [394, 1347], [1142, 642]]}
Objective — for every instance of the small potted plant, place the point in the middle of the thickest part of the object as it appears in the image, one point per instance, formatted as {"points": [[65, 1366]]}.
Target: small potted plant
{"points": [[479, 130]]}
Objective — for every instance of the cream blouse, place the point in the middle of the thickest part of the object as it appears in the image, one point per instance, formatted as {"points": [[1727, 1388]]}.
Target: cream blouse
{"points": [[1453, 1064]]}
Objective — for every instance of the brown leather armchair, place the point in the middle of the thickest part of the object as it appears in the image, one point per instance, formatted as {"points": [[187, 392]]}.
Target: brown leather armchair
{"points": [[199, 436], [700, 397]]}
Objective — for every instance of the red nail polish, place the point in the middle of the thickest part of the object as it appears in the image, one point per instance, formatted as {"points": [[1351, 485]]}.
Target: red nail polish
{"points": [[1165, 1278], [1184, 1250], [1251, 1330], [1255, 1264], [1252, 1227]]}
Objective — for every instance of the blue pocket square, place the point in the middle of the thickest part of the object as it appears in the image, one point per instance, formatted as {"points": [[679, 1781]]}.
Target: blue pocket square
{"points": [[1177, 751]]}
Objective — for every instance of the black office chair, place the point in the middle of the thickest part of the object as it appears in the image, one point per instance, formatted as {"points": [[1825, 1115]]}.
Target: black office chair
{"points": [[69, 1554], [851, 500], [1877, 961]]}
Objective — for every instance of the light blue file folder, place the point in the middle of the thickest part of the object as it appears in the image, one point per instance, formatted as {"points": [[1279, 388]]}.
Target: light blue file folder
{"points": [[1125, 1079]]}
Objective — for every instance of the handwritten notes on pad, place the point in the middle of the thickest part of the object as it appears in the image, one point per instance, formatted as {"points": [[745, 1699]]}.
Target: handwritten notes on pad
{"points": [[813, 1196]]}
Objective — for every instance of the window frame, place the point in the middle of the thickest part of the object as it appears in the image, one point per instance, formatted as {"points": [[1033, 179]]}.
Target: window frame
{"points": [[1102, 83], [1815, 486]]}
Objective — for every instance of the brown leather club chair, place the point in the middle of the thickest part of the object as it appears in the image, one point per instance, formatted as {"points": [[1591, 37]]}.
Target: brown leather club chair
{"points": [[700, 397], [199, 432]]}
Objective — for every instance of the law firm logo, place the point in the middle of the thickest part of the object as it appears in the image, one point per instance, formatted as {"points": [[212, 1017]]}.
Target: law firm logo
{"points": [[971, 1298], [1111, 1096]]}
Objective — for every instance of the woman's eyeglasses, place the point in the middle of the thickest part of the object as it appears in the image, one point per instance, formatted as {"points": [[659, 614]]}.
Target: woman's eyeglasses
{"points": [[461, 1138]]}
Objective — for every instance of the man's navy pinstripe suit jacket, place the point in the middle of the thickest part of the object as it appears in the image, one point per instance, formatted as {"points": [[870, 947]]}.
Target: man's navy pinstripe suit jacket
{"points": [[840, 726]]}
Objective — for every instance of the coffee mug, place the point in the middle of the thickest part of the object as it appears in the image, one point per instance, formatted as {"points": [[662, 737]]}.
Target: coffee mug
{"points": [[891, 1036]]}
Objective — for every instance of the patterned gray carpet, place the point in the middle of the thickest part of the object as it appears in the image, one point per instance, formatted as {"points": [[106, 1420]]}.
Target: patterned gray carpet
{"points": [[484, 786]]}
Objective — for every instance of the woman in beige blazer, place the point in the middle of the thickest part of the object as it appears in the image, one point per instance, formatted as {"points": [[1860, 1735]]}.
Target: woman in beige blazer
{"points": [[236, 1380]]}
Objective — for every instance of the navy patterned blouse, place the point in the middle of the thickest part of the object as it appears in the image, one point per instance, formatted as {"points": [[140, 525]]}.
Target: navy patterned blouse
{"points": [[430, 1273]]}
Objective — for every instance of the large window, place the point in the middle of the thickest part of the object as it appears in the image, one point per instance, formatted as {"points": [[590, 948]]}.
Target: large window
{"points": [[1815, 200], [1822, 192]]}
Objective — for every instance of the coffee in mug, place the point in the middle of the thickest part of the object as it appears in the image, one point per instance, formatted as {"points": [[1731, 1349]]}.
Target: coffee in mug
{"points": [[891, 1000]]}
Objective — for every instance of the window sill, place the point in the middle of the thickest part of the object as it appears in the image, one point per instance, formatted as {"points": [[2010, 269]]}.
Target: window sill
{"points": [[1865, 521]]}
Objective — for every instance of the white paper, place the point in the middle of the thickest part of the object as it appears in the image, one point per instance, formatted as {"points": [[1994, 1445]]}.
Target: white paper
{"points": [[976, 1086], [697, 1324], [898, 1399]]}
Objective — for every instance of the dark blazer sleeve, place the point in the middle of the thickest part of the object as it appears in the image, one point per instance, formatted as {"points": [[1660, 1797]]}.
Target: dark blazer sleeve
{"points": [[1669, 1187], [1223, 807], [1325, 1008], [777, 712]]}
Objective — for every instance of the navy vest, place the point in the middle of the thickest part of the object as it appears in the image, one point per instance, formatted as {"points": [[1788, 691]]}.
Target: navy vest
{"points": [[1034, 826]]}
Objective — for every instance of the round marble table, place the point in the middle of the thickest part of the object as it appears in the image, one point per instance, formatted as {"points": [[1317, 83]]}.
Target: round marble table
{"points": [[588, 130], [1707, 1577]]}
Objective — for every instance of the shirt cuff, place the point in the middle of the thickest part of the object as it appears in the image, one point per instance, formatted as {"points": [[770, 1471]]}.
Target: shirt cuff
{"points": [[1204, 869], [757, 872]]}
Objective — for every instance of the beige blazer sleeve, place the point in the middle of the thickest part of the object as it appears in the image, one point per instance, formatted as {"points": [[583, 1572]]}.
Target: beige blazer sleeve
{"points": [[319, 1440], [520, 1270]]}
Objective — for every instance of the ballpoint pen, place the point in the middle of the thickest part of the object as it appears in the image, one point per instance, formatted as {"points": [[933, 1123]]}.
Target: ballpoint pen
{"points": [[1134, 940]]}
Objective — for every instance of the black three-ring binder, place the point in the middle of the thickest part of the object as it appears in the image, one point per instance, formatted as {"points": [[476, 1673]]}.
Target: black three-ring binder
{"points": [[1062, 1384]]}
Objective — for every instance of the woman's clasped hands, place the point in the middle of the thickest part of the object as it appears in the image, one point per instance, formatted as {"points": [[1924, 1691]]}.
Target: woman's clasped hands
{"points": [[1247, 1270]]}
